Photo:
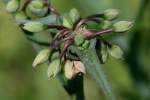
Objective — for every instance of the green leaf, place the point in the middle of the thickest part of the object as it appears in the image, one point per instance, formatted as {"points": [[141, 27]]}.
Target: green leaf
{"points": [[94, 68], [54, 68], [116, 52]]}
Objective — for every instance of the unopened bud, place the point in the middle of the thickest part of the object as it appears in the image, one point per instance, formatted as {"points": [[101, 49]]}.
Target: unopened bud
{"points": [[104, 54], [41, 57], [116, 52], [122, 26], [37, 8], [20, 16], [55, 55], [12, 6], [54, 68], [106, 24], [33, 26], [79, 67], [74, 15], [111, 14], [69, 69]]}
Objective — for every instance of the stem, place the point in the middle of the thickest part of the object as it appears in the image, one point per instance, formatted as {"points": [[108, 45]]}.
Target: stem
{"points": [[90, 35]]}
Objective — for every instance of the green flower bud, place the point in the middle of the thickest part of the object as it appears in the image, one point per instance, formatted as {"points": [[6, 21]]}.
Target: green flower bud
{"points": [[33, 26], [55, 55], [122, 26], [67, 23], [79, 39], [37, 8], [104, 54], [74, 15], [12, 6], [38, 4], [69, 70], [54, 68], [111, 14], [20, 16], [116, 52], [41, 57], [106, 24]]}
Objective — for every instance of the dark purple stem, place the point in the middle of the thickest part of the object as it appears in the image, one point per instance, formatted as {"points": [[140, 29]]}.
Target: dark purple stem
{"points": [[103, 32], [90, 34], [59, 27]]}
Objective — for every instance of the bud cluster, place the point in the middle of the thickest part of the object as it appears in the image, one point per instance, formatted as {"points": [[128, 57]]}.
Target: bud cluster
{"points": [[67, 29]]}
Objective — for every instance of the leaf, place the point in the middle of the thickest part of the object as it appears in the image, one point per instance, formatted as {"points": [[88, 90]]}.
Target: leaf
{"points": [[94, 68], [53, 68]]}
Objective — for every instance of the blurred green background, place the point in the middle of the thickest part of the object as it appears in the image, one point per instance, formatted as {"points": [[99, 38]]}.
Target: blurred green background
{"points": [[130, 78]]}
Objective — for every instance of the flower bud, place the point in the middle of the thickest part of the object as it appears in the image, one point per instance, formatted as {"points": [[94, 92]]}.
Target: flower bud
{"points": [[41, 57], [20, 16], [69, 69], [116, 52], [12, 6], [104, 53], [54, 68], [106, 24], [79, 67], [33, 26], [74, 15], [122, 26], [55, 55], [67, 22], [37, 8], [111, 14]]}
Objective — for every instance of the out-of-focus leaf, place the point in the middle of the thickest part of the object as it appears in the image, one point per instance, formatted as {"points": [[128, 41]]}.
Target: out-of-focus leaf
{"points": [[93, 66]]}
